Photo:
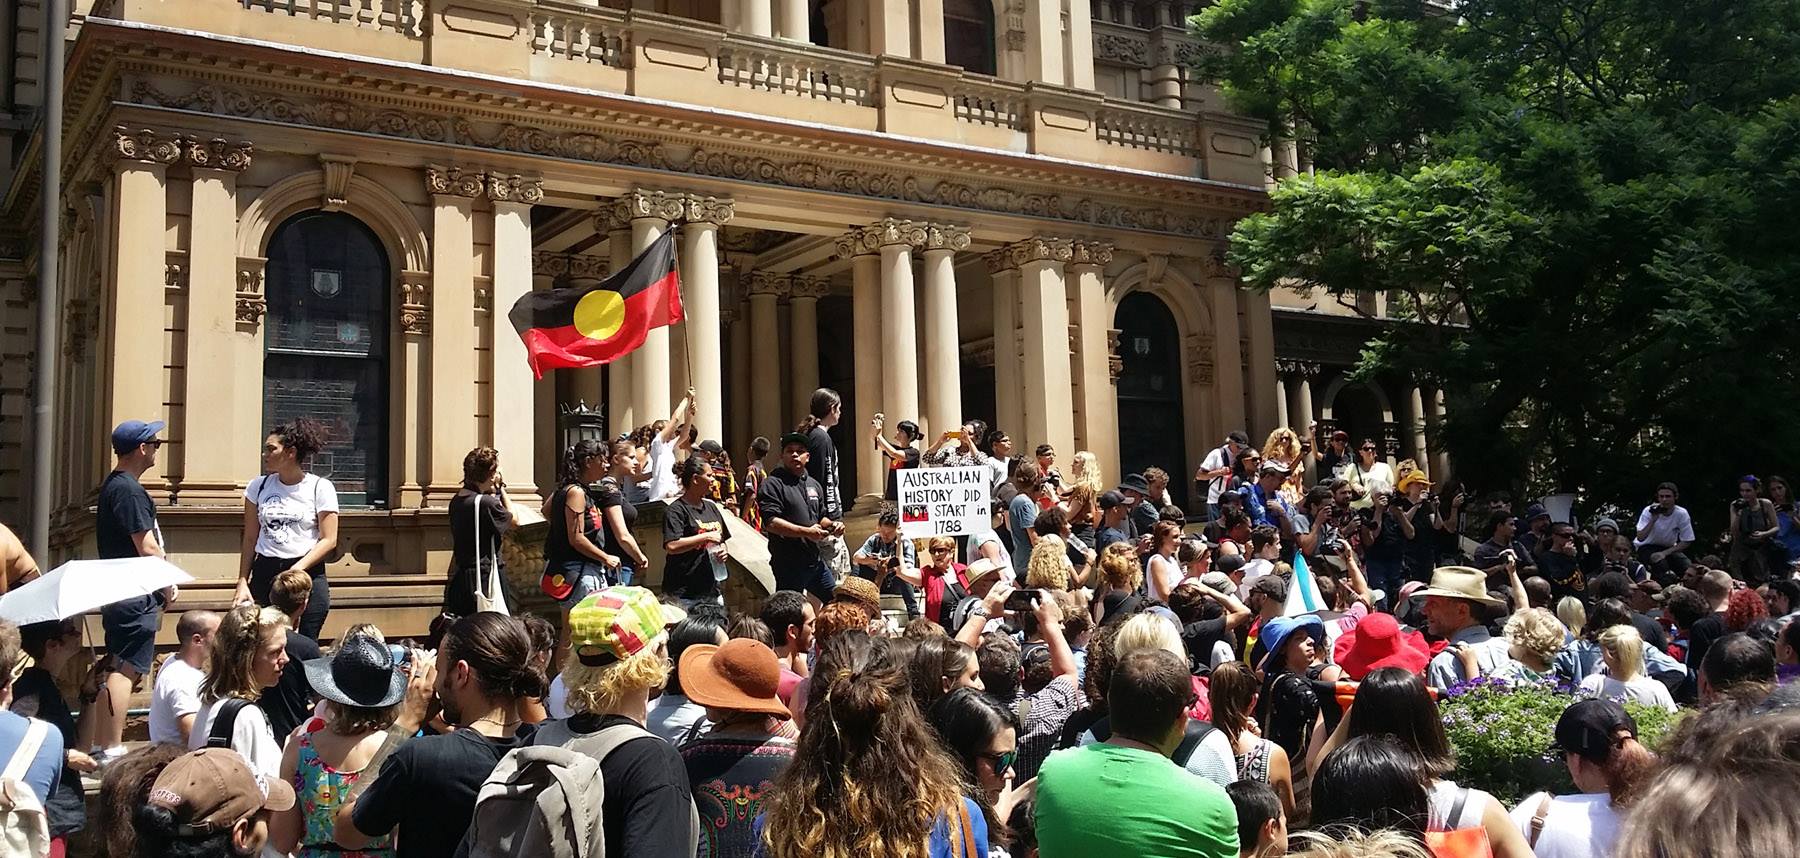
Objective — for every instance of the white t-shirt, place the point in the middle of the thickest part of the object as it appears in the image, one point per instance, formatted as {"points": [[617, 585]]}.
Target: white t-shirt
{"points": [[662, 482], [177, 693], [1375, 480], [250, 737], [1220, 457], [557, 704], [1664, 530], [1641, 689], [1445, 816], [1577, 826], [1253, 570], [1166, 576], [289, 514]]}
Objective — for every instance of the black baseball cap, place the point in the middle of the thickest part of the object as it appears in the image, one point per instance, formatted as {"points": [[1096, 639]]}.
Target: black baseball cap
{"points": [[1228, 563], [1589, 729], [793, 438], [1108, 500], [712, 447]]}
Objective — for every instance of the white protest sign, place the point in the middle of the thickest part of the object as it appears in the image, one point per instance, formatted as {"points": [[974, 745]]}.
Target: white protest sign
{"points": [[944, 501]]}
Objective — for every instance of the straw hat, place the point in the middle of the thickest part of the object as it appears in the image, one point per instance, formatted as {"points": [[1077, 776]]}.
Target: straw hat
{"points": [[1461, 582]]}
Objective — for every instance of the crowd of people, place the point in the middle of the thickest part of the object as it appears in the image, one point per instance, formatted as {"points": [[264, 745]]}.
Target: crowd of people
{"points": [[1097, 673]]}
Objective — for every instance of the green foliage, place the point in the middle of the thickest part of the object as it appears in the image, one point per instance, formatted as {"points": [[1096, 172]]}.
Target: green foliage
{"points": [[1502, 734], [1585, 205]]}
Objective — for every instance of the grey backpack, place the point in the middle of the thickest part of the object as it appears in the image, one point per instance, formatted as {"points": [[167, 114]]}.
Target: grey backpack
{"points": [[545, 799]]}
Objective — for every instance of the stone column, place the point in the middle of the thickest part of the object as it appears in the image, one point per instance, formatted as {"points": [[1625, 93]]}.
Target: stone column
{"points": [[545, 462], [1081, 47], [700, 293], [1228, 384], [1049, 405], [1281, 402], [515, 390], [899, 328], [214, 441], [943, 346], [890, 28], [753, 17], [1440, 463], [1009, 384], [1261, 360], [931, 31], [1415, 415], [1302, 412], [139, 253], [453, 333], [737, 322], [803, 315], [793, 23], [865, 312], [583, 385], [1043, 46], [650, 213], [622, 413], [1097, 403], [766, 290]]}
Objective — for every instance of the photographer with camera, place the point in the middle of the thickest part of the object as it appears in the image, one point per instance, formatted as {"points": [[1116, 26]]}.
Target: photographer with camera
{"points": [[1753, 527], [889, 560], [1664, 533]]}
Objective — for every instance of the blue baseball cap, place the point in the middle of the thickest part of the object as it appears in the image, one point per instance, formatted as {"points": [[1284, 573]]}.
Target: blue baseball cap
{"points": [[128, 435]]}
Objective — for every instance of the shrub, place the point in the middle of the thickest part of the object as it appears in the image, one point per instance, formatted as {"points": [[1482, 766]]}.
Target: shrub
{"points": [[1502, 732]]}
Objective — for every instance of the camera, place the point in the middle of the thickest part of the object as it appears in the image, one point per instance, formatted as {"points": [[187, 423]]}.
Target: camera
{"points": [[1021, 601]]}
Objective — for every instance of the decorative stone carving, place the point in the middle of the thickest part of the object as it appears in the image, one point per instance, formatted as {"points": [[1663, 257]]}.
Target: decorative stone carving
{"points": [[1199, 349], [939, 236], [1217, 267], [1038, 249], [640, 203], [453, 181], [415, 310], [575, 266], [850, 244], [251, 305], [1390, 439], [978, 353], [216, 154], [145, 146], [1115, 365], [338, 170], [997, 261], [175, 276], [852, 169], [1095, 253], [717, 211], [770, 283], [1132, 51], [804, 286], [75, 322], [514, 189]]}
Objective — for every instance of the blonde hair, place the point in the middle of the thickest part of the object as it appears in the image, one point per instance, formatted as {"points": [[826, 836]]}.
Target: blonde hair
{"points": [[1045, 570], [359, 720], [1148, 631], [1282, 445], [1119, 565], [941, 542], [1537, 631], [598, 690], [241, 633], [1624, 647], [1084, 473], [367, 630], [1351, 842], [1572, 613]]}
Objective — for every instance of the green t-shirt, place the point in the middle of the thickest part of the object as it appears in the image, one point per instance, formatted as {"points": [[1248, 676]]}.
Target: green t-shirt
{"points": [[1102, 799]]}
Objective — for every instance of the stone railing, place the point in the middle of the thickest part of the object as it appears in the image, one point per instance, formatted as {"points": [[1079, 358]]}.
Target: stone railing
{"points": [[588, 35], [984, 100], [812, 72], [399, 16], [1141, 126]]}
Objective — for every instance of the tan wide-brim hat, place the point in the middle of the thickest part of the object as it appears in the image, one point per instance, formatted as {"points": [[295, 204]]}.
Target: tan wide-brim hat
{"points": [[1461, 582]]}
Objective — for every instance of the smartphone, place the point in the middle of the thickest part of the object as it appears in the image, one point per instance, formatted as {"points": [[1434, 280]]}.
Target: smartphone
{"points": [[954, 433], [1022, 601]]}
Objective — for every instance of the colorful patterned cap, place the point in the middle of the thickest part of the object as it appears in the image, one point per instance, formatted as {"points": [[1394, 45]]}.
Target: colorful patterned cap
{"points": [[615, 624]]}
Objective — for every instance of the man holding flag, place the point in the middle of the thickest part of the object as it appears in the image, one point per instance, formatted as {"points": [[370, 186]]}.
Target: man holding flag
{"points": [[582, 327]]}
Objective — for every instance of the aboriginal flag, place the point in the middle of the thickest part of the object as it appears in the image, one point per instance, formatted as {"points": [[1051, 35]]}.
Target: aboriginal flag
{"points": [[565, 328]]}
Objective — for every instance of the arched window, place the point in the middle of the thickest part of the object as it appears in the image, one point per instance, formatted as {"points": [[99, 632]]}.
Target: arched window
{"points": [[326, 346], [969, 34], [1150, 390]]}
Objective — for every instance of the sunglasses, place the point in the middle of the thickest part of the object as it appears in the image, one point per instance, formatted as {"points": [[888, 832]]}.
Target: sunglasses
{"points": [[1368, 449], [1001, 762], [942, 550]]}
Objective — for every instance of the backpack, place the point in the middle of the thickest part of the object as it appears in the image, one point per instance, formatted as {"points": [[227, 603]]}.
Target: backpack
{"points": [[546, 799], [223, 722], [24, 829], [1196, 732]]}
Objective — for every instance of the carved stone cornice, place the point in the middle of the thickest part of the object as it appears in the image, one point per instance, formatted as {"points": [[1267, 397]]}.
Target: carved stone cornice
{"points": [[145, 146], [943, 236], [640, 204], [804, 286], [850, 244], [216, 154], [338, 170], [574, 265], [1095, 253], [453, 181], [889, 232], [514, 189], [718, 211], [770, 283], [1037, 249], [997, 261]]}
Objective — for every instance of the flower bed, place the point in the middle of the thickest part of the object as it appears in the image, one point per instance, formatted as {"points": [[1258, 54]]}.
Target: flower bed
{"points": [[1501, 733]]}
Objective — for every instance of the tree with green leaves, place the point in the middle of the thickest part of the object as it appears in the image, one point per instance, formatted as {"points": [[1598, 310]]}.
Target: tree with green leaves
{"points": [[1584, 208]]}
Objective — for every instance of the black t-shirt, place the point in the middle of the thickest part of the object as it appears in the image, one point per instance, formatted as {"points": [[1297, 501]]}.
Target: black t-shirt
{"points": [[822, 465], [1564, 574], [1390, 541], [492, 520], [648, 803], [692, 570], [427, 788], [909, 459], [606, 495], [797, 500], [1650, 630], [124, 509], [557, 549], [1199, 637], [289, 702], [35, 696]]}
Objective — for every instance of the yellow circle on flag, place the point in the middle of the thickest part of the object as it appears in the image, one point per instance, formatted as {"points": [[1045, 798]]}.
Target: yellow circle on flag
{"points": [[599, 314]]}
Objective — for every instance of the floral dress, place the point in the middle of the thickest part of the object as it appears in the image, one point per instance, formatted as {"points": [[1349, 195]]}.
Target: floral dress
{"points": [[320, 789]]}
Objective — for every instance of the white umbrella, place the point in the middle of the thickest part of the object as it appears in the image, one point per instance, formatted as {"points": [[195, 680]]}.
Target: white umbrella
{"points": [[79, 586]]}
